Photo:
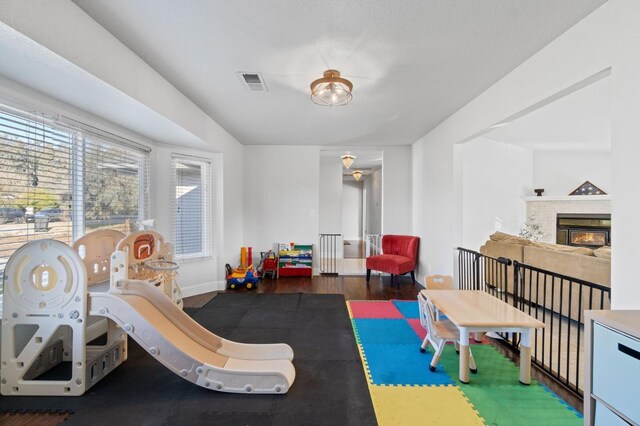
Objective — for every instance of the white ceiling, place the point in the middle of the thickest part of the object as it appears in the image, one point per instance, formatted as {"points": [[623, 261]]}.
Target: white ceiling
{"points": [[580, 121], [33, 65], [412, 62]]}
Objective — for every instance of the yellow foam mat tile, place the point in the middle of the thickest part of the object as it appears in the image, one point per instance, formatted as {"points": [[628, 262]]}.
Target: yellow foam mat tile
{"points": [[349, 309], [420, 405]]}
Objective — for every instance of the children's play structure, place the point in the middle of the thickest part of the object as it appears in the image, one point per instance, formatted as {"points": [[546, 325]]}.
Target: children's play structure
{"points": [[150, 258], [67, 313]]}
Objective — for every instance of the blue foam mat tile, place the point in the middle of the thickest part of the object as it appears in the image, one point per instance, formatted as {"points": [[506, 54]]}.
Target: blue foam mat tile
{"points": [[402, 364], [384, 330], [407, 308]]}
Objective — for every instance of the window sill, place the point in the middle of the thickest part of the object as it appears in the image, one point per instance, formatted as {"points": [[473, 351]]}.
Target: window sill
{"points": [[193, 258]]}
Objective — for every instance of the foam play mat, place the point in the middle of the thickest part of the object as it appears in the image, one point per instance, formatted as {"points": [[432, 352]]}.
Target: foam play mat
{"points": [[404, 391]]}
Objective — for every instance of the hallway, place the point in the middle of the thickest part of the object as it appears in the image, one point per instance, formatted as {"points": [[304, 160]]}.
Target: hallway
{"points": [[354, 249], [353, 262]]}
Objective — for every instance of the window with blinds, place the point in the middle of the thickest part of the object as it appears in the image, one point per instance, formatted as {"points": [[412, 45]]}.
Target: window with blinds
{"points": [[115, 186], [60, 182], [191, 218]]}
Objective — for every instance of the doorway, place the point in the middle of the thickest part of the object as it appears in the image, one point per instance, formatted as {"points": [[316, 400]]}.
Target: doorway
{"points": [[350, 209], [352, 218], [359, 215]]}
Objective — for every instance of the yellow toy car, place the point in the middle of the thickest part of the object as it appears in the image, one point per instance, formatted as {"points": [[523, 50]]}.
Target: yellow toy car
{"points": [[241, 276]]}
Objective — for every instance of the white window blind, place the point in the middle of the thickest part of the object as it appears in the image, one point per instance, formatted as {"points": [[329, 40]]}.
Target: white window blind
{"points": [[191, 217], [115, 185], [58, 181]]}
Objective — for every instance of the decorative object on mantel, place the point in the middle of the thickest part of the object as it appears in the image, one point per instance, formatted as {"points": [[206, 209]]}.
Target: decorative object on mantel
{"points": [[539, 191], [531, 230], [588, 188]]}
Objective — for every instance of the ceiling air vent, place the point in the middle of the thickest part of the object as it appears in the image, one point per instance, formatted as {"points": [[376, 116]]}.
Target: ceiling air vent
{"points": [[253, 81]]}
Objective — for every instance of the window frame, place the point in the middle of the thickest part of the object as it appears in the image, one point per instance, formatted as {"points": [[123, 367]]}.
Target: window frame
{"points": [[80, 137], [206, 203]]}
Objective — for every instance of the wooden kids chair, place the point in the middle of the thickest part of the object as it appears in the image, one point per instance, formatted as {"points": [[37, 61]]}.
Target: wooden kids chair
{"points": [[439, 332], [438, 282]]}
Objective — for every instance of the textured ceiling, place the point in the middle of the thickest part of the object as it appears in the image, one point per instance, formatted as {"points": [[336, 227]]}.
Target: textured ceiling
{"points": [[581, 121], [412, 62]]}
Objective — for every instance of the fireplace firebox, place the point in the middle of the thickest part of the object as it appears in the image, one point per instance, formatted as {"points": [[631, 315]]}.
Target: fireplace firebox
{"points": [[584, 230]]}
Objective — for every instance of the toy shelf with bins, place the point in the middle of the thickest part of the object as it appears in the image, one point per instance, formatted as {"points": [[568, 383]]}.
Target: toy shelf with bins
{"points": [[297, 262]]}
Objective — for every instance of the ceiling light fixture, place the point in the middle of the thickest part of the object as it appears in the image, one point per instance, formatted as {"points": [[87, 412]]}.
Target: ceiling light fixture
{"points": [[331, 90], [348, 160], [357, 175]]}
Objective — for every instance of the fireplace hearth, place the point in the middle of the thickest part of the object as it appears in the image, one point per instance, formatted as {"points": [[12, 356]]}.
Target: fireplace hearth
{"points": [[584, 230]]}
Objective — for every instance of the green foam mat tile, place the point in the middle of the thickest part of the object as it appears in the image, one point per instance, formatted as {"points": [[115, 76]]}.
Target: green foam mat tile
{"points": [[499, 397]]}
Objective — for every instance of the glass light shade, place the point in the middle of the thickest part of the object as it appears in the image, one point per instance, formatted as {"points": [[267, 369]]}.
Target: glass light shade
{"points": [[357, 175], [348, 160], [331, 90]]}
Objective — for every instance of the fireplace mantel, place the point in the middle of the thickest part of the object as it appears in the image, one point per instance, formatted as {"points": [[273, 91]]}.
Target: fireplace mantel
{"points": [[569, 198], [545, 209]]}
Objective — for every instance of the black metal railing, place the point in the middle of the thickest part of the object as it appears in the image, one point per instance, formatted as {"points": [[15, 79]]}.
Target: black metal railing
{"points": [[559, 301], [472, 266], [329, 245], [493, 275], [468, 269]]}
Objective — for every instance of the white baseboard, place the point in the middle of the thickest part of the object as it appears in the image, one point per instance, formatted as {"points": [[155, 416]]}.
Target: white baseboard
{"points": [[207, 287]]}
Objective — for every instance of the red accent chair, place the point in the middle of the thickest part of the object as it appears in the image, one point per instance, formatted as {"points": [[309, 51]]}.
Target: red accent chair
{"points": [[399, 256]]}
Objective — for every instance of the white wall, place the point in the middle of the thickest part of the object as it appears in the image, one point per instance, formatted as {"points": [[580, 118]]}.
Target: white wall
{"points": [[559, 173], [330, 208], [373, 186], [281, 197], [330, 187], [289, 210], [396, 190], [495, 178], [608, 38], [352, 210], [94, 78]]}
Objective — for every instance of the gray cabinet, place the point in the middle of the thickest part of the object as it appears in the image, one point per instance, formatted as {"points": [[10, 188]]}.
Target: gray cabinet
{"points": [[612, 368]]}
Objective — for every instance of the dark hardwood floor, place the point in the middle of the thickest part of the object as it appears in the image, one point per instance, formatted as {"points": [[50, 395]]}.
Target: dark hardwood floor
{"points": [[353, 288], [32, 419]]}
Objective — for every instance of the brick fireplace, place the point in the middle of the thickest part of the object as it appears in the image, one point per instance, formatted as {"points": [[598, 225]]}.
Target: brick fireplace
{"points": [[546, 209]]}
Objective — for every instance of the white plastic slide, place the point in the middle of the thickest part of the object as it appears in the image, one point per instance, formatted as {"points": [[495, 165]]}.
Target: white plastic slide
{"points": [[187, 348], [51, 316]]}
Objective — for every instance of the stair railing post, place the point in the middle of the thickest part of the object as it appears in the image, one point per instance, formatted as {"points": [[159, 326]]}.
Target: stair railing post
{"points": [[516, 283], [476, 272]]}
